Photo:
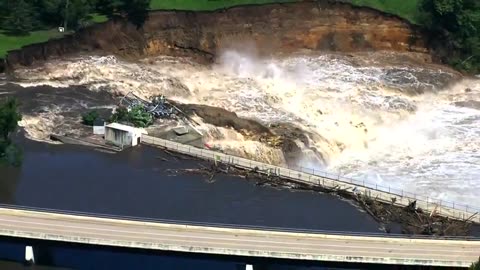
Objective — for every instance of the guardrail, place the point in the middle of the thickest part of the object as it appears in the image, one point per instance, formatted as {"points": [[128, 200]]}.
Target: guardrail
{"points": [[231, 226], [314, 177]]}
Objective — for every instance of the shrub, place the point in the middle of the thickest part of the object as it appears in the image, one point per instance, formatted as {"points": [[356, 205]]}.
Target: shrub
{"points": [[136, 116], [475, 265], [90, 117]]}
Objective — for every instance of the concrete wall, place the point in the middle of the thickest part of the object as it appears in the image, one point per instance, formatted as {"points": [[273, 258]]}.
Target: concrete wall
{"points": [[118, 137], [99, 130]]}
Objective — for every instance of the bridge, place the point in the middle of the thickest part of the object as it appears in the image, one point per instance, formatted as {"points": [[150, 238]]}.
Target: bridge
{"points": [[29, 223]]}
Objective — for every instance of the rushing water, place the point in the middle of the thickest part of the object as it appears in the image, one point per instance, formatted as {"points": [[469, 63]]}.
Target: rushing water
{"points": [[377, 117]]}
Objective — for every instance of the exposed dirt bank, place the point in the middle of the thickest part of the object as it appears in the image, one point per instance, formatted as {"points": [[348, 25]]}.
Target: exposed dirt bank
{"points": [[279, 28]]}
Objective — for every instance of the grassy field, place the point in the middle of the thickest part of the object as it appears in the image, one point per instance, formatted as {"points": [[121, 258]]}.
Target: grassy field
{"points": [[207, 4], [8, 43], [407, 9]]}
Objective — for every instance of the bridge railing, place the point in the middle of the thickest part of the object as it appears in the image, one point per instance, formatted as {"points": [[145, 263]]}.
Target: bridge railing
{"points": [[230, 225], [328, 180], [388, 189]]}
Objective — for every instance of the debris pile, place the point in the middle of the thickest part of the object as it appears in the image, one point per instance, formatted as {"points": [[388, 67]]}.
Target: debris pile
{"points": [[159, 107], [411, 219]]}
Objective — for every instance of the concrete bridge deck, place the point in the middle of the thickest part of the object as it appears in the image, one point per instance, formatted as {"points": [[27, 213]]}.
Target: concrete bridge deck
{"points": [[231, 241]]}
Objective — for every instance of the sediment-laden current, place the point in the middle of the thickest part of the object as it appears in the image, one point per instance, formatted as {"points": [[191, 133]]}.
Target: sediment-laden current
{"points": [[379, 117]]}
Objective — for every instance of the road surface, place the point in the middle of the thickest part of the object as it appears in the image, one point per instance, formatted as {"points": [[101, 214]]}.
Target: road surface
{"points": [[228, 241]]}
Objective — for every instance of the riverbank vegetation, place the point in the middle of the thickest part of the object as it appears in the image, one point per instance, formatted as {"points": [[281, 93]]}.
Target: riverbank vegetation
{"points": [[9, 118], [454, 29]]}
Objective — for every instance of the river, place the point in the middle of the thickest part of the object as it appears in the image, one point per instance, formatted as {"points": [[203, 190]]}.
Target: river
{"points": [[379, 117], [135, 183]]}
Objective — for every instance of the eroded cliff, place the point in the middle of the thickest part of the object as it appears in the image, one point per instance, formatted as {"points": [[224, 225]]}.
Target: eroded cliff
{"points": [[268, 28]]}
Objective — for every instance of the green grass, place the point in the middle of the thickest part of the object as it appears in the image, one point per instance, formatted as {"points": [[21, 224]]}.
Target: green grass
{"points": [[8, 43], [98, 18], [207, 4], [407, 9], [11, 42]]}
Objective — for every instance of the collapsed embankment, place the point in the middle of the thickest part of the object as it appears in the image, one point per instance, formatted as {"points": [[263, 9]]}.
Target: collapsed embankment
{"points": [[326, 26]]}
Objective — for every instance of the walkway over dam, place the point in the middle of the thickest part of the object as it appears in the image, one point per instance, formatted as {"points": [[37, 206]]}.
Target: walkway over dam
{"points": [[228, 240], [322, 179]]}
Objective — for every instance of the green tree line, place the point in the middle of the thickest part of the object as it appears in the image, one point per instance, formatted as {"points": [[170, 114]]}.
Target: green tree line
{"points": [[454, 26], [22, 16]]}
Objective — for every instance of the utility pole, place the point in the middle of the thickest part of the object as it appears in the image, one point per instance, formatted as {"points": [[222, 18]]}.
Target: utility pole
{"points": [[66, 15]]}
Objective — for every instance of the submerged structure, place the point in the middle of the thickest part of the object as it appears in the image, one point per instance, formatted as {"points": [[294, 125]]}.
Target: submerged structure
{"points": [[159, 107]]}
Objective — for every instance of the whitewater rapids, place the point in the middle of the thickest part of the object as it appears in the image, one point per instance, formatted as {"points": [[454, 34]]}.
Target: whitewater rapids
{"points": [[385, 120]]}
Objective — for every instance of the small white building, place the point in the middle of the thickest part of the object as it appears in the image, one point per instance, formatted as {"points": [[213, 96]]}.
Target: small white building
{"points": [[123, 135]]}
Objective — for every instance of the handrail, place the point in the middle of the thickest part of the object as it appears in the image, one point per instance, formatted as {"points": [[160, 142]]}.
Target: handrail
{"points": [[232, 226], [425, 200]]}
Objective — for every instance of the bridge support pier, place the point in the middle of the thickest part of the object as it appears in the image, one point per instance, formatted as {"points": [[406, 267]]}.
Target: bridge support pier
{"points": [[29, 255]]}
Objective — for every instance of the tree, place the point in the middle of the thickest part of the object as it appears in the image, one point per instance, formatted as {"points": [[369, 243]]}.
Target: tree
{"points": [[136, 116], [18, 17], [9, 118], [475, 265], [455, 26], [136, 11], [90, 117], [75, 13]]}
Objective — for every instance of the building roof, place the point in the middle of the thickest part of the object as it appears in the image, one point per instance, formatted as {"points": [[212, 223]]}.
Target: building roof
{"points": [[180, 130], [125, 128], [99, 122]]}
